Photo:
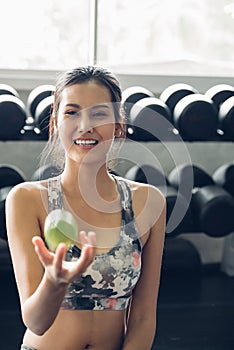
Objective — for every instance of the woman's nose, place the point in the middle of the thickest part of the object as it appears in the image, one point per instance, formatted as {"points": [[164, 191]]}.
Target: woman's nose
{"points": [[85, 123]]}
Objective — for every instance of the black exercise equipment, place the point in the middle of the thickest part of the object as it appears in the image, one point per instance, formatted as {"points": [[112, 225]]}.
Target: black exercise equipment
{"points": [[9, 177], [146, 174], [223, 97], [133, 94], [226, 118], [220, 93], [212, 206], [43, 113], [195, 116], [12, 116], [45, 172], [175, 92], [37, 95], [6, 89], [150, 120], [178, 212], [153, 176], [180, 258], [40, 101], [186, 177], [224, 177]]}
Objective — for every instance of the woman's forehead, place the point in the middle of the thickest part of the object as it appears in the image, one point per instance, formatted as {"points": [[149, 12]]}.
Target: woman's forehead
{"points": [[86, 94]]}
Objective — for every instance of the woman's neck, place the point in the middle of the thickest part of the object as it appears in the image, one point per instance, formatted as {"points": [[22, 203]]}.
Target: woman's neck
{"points": [[90, 180]]}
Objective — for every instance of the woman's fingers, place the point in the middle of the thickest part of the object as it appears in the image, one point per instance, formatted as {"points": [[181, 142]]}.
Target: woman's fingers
{"points": [[92, 244], [59, 256], [88, 251], [83, 238], [88, 239], [89, 245], [45, 256]]}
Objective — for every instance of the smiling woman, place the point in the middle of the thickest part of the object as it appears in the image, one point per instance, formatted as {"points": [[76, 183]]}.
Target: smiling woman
{"points": [[106, 109], [100, 292], [89, 123]]}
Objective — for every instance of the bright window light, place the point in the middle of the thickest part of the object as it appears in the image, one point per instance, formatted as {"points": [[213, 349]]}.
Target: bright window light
{"points": [[182, 37], [45, 34], [154, 37]]}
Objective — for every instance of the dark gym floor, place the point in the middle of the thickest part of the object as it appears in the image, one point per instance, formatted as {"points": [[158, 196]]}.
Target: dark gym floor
{"points": [[195, 310]]}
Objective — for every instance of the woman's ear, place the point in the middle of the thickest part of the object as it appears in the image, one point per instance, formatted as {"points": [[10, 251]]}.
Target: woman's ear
{"points": [[118, 130], [53, 125]]}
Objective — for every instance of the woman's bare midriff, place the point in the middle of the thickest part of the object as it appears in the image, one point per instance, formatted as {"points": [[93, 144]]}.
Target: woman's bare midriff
{"points": [[81, 329]]}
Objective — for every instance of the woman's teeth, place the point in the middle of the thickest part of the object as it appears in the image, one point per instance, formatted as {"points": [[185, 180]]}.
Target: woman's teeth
{"points": [[85, 142]]}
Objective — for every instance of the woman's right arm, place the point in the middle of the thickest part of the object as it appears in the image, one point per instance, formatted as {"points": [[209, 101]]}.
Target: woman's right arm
{"points": [[41, 277]]}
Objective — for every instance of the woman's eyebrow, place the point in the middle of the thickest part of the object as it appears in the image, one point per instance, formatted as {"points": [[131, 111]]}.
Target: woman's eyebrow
{"points": [[100, 106], [76, 105]]}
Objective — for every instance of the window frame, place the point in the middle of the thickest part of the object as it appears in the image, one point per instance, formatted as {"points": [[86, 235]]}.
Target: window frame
{"points": [[29, 79]]}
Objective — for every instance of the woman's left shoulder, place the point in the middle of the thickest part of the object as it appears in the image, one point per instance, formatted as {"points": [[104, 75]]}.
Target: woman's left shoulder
{"points": [[148, 202], [149, 207]]}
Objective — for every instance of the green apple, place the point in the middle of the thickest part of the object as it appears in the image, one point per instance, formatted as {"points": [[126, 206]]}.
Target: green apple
{"points": [[60, 227]]}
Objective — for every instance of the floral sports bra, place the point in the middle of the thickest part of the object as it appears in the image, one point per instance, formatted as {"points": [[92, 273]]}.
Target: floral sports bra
{"points": [[108, 282]]}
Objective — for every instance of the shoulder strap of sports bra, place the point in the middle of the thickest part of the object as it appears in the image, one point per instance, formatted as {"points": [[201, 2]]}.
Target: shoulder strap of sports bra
{"points": [[128, 218], [55, 197], [125, 196]]}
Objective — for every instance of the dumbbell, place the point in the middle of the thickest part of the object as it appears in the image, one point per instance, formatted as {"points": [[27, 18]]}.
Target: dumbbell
{"points": [[220, 93], [211, 205], [12, 113], [226, 119], [6, 89], [186, 177], [175, 92], [9, 177], [224, 177], [133, 94], [39, 104], [130, 96], [147, 174], [223, 97], [194, 115], [150, 120], [196, 118], [45, 172], [178, 214], [181, 259]]}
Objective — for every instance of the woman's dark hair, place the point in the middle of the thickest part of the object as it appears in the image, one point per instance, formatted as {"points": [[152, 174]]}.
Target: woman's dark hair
{"points": [[81, 75]]}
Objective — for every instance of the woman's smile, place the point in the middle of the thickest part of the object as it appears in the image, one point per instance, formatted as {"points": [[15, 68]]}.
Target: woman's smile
{"points": [[85, 143]]}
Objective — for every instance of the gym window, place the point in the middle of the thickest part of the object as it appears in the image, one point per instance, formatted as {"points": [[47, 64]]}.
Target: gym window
{"points": [[183, 38]]}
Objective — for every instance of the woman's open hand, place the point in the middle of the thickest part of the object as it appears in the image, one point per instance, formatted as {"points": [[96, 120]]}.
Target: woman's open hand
{"points": [[57, 269]]}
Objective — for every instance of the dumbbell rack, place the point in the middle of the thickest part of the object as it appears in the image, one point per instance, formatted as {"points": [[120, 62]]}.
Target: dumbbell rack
{"points": [[25, 121], [183, 115], [39, 103]]}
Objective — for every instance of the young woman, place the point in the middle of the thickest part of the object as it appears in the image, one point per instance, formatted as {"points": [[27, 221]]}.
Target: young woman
{"points": [[102, 293]]}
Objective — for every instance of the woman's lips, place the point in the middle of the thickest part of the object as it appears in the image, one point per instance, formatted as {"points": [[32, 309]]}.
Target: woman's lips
{"points": [[85, 143]]}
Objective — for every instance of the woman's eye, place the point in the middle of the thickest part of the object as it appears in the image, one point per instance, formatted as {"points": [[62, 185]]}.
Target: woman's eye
{"points": [[72, 113], [100, 114]]}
